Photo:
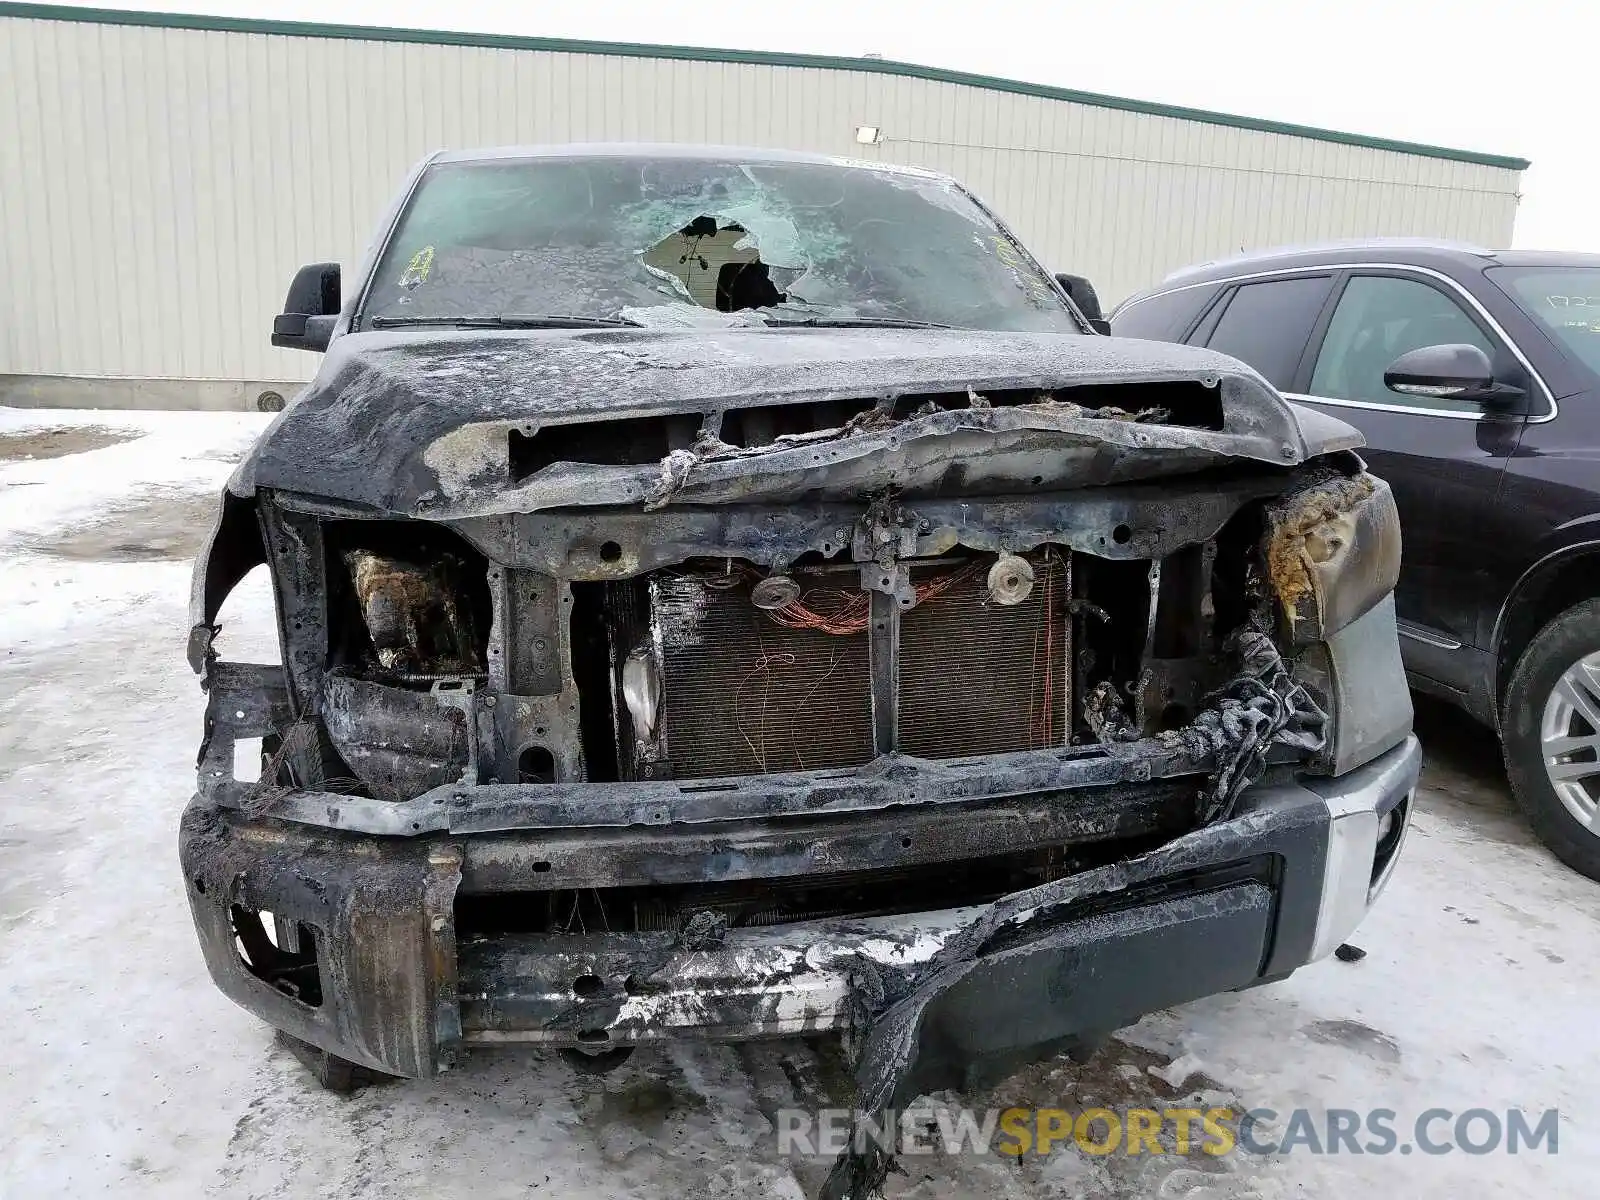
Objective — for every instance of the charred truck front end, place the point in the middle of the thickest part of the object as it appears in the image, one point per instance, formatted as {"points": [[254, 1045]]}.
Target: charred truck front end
{"points": [[974, 692]]}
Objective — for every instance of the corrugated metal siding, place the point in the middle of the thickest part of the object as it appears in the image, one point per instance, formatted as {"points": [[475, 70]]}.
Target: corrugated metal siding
{"points": [[158, 187]]}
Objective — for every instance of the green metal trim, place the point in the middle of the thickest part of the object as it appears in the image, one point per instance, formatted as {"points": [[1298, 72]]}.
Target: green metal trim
{"points": [[831, 62]]}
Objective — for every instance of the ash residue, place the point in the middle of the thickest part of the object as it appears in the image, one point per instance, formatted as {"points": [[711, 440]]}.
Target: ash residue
{"points": [[1293, 522]]}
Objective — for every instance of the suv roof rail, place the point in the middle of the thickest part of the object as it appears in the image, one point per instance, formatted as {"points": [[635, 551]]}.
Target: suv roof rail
{"points": [[1387, 243]]}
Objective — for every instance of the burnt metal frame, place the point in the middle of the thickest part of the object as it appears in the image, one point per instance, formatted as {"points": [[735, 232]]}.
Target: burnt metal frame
{"points": [[1146, 521]]}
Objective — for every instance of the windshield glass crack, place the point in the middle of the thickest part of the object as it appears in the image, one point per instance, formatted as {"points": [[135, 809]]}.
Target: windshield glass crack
{"points": [[686, 242]]}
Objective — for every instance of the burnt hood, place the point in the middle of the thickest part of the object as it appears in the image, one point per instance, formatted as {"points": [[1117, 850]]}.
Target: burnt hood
{"points": [[421, 423]]}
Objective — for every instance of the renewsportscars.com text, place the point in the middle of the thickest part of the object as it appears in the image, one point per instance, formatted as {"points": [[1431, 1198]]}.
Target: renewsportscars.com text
{"points": [[1172, 1130]]}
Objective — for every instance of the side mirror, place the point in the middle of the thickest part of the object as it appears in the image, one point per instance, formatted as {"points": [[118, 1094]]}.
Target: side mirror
{"points": [[1460, 372], [1082, 293], [310, 310]]}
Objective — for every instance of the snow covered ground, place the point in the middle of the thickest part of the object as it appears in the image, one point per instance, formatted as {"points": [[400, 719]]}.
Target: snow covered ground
{"points": [[129, 1074]]}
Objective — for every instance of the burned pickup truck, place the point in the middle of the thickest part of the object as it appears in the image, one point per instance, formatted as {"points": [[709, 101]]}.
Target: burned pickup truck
{"points": [[728, 594]]}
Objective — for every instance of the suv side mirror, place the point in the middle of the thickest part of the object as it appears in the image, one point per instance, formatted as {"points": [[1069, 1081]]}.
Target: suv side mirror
{"points": [[310, 310], [1086, 298], [1460, 372]]}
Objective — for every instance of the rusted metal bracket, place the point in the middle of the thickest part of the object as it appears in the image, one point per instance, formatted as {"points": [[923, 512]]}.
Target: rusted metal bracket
{"points": [[884, 535], [438, 905], [462, 695], [884, 656]]}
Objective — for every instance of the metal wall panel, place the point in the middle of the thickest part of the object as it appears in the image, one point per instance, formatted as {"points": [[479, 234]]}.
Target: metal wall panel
{"points": [[159, 186]]}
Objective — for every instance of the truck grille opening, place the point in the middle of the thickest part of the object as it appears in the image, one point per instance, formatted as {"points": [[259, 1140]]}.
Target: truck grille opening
{"points": [[639, 441], [747, 690], [762, 426], [627, 441]]}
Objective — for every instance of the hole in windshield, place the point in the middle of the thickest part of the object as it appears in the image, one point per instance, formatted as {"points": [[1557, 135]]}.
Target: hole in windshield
{"points": [[719, 264]]}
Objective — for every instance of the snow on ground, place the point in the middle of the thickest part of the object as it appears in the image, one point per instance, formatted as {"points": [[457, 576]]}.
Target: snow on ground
{"points": [[129, 1074]]}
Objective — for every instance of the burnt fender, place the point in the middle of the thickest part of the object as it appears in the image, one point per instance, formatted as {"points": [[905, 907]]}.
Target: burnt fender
{"points": [[231, 551]]}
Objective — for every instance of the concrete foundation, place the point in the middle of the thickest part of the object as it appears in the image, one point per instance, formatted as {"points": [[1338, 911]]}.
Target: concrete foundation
{"points": [[105, 391]]}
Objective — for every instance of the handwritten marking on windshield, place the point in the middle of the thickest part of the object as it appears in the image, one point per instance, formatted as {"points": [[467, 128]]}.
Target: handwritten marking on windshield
{"points": [[417, 269]]}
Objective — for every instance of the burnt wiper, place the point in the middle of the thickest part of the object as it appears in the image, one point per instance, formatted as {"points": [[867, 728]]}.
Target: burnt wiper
{"points": [[852, 322], [506, 321]]}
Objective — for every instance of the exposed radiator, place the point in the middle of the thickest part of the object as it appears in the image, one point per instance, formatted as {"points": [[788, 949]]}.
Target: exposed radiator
{"points": [[983, 678], [746, 694]]}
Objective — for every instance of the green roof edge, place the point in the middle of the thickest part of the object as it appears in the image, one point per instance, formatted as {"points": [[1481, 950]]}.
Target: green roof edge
{"points": [[499, 41]]}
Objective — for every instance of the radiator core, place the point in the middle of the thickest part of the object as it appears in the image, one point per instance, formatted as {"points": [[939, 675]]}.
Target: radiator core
{"points": [[983, 678], [745, 694]]}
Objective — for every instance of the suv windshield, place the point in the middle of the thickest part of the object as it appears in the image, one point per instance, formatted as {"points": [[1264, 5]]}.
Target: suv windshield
{"points": [[1565, 300], [677, 241]]}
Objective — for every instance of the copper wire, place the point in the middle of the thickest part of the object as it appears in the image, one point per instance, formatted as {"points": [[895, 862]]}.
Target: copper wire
{"points": [[842, 612]]}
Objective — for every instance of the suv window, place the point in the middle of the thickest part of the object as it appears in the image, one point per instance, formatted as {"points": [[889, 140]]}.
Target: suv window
{"points": [[1161, 318], [1565, 300], [1267, 324], [1379, 318]]}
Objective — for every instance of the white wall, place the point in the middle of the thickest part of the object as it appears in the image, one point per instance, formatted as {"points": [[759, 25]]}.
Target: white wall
{"points": [[159, 186], [715, 251]]}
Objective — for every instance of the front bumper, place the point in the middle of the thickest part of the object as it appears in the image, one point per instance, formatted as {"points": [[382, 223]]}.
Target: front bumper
{"points": [[1250, 899]]}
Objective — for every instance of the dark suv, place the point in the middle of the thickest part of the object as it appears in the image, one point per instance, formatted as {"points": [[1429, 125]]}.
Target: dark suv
{"points": [[1475, 376]]}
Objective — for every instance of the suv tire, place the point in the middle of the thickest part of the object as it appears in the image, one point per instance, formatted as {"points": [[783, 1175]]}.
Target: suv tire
{"points": [[1555, 650]]}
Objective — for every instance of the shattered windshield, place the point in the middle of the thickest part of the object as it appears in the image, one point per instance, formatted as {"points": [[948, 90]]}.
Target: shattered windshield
{"points": [[669, 241]]}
